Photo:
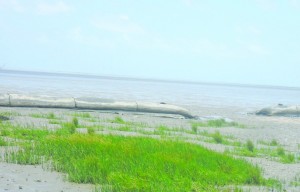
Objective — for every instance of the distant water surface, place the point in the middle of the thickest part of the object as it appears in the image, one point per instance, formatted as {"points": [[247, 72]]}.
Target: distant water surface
{"points": [[189, 95]]}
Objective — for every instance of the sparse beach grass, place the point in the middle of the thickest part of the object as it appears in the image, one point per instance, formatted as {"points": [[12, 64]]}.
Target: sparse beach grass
{"points": [[82, 115], [215, 123], [2, 142], [275, 153], [86, 131], [118, 163], [50, 116]]}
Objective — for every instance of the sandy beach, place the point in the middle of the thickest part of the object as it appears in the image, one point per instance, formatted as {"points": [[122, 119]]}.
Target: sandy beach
{"points": [[259, 129]]}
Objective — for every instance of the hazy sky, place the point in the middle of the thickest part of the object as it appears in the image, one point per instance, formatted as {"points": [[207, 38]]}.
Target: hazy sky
{"points": [[233, 41]]}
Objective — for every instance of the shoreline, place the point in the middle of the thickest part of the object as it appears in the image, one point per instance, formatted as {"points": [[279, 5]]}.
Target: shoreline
{"points": [[258, 129]]}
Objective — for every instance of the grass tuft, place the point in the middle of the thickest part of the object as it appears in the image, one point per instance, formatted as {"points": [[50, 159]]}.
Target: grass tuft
{"points": [[218, 138], [68, 127], [83, 115], [250, 145], [288, 158], [2, 142], [91, 130], [118, 120], [75, 122], [274, 142], [44, 116], [280, 151], [194, 128]]}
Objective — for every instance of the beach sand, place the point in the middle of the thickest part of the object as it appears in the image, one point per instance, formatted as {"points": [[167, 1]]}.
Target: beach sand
{"points": [[285, 130]]}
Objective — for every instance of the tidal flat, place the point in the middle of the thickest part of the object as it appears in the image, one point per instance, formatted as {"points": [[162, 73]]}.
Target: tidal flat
{"points": [[120, 151]]}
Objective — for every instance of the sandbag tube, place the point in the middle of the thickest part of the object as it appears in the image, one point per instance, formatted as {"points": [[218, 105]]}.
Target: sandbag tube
{"points": [[17, 100], [280, 110]]}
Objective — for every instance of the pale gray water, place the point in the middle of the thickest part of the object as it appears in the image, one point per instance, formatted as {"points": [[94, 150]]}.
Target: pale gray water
{"points": [[188, 95]]}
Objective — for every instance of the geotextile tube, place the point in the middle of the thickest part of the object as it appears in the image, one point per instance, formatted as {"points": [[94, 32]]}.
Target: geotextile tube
{"points": [[4, 100], [16, 100], [280, 110], [37, 101]]}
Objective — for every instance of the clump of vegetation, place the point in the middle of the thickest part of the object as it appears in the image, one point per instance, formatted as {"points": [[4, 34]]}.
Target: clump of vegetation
{"points": [[83, 115], [280, 151], [218, 138], [55, 122], [46, 116], [3, 118], [127, 163], [162, 130], [216, 123], [274, 142], [118, 120], [51, 116], [194, 128], [278, 154], [4, 131], [296, 181], [284, 157], [5, 115], [124, 128], [68, 127], [250, 145], [18, 132], [288, 158], [91, 130], [75, 122], [2, 142]]}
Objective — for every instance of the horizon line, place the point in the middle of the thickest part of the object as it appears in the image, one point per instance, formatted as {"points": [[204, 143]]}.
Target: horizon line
{"points": [[113, 77]]}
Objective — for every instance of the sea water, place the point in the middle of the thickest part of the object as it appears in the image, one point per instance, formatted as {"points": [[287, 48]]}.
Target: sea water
{"points": [[189, 95]]}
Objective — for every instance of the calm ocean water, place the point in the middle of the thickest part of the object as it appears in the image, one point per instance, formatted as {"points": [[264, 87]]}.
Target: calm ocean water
{"points": [[189, 95]]}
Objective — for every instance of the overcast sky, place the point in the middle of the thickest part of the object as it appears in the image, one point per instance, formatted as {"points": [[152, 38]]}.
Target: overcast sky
{"points": [[233, 41]]}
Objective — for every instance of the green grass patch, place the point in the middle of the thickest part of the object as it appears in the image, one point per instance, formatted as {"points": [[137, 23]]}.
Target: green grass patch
{"points": [[280, 151], [9, 113], [82, 115], [91, 130], [4, 130], [96, 127], [250, 145], [68, 128], [287, 158], [118, 120], [2, 142], [75, 122], [3, 118], [273, 142], [279, 154], [44, 116], [276, 154], [124, 128], [215, 123], [54, 122], [18, 132], [162, 130], [27, 134], [218, 138], [296, 181], [139, 164], [194, 128]]}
